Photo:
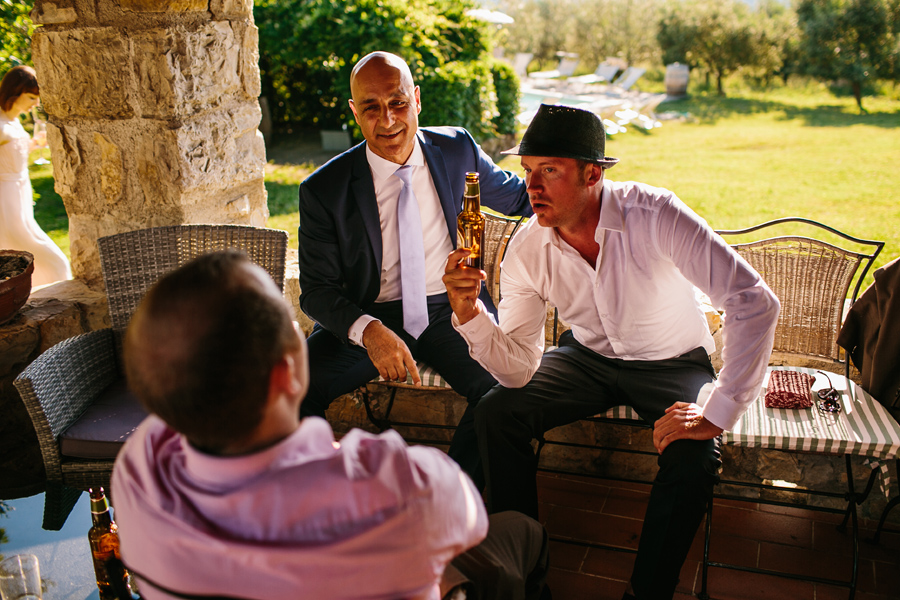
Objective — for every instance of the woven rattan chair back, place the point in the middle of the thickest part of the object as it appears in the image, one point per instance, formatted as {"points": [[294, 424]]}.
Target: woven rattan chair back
{"points": [[498, 231], [815, 281], [133, 261]]}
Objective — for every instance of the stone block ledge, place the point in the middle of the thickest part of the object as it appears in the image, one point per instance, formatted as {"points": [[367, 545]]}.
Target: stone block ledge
{"points": [[750, 465]]}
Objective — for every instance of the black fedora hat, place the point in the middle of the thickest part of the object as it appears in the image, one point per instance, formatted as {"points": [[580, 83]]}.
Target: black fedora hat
{"points": [[565, 132]]}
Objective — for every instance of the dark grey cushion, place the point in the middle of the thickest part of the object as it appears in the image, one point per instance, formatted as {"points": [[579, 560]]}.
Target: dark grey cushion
{"points": [[105, 425]]}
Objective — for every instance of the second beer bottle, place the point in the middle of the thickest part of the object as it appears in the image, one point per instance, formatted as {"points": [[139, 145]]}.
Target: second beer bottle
{"points": [[470, 223], [112, 578]]}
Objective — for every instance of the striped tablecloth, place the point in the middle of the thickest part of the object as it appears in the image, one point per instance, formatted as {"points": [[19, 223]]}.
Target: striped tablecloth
{"points": [[862, 427]]}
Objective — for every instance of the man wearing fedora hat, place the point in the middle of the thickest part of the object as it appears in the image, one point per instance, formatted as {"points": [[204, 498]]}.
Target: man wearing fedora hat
{"points": [[620, 261]]}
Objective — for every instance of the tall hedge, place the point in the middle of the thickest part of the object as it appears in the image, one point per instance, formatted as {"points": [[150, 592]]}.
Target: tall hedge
{"points": [[308, 48]]}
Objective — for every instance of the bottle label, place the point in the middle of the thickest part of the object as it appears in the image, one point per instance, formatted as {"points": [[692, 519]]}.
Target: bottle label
{"points": [[107, 546]]}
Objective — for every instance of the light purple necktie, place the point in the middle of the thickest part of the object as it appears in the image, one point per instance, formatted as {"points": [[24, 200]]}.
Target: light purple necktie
{"points": [[412, 257]]}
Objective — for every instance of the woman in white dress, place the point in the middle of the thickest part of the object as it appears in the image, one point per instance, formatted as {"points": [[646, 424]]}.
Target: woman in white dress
{"points": [[18, 229]]}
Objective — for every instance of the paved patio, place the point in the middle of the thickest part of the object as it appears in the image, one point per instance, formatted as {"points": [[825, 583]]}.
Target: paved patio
{"points": [[747, 534]]}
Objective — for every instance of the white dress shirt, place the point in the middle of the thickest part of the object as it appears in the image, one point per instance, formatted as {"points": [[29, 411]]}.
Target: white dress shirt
{"points": [[436, 237], [638, 303], [372, 518]]}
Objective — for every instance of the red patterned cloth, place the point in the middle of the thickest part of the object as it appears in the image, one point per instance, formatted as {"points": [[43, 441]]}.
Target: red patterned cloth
{"points": [[789, 389]]}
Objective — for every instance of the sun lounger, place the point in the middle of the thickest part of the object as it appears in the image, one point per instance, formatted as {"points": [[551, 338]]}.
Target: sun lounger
{"points": [[521, 62], [628, 78], [565, 68], [604, 74]]}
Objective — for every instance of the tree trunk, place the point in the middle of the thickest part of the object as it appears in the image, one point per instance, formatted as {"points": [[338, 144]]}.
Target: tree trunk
{"points": [[719, 84], [857, 93]]}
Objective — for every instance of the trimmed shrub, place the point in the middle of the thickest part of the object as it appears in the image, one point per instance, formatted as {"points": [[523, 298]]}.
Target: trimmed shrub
{"points": [[309, 47]]}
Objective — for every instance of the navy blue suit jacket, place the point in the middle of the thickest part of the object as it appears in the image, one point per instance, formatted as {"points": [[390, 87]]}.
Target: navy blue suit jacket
{"points": [[340, 232]]}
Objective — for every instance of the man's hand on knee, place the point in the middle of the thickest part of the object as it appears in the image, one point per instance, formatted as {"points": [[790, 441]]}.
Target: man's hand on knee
{"points": [[389, 353], [682, 421]]}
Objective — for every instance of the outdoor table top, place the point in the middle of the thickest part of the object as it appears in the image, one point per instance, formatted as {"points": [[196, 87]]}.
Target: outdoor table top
{"points": [[64, 556], [863, 426]]}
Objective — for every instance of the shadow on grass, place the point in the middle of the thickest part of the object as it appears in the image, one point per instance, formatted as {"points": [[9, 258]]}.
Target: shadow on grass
{"points": [[708, 109]]}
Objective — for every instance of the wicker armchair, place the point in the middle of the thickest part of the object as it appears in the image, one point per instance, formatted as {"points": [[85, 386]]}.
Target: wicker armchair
{"points": [[498, 231], [75, 391], [812, 278]]}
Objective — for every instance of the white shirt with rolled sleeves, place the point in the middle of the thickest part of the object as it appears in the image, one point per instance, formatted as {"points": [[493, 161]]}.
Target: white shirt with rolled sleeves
{"points": [[639, 302]]}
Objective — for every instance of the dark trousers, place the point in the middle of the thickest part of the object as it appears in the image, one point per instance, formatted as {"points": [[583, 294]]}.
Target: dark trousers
{"points": [[572, 383], [511, 563], [337, 368]]}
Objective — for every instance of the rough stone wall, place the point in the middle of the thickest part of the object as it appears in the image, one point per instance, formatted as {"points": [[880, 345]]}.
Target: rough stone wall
{"points": [[153, 115]]}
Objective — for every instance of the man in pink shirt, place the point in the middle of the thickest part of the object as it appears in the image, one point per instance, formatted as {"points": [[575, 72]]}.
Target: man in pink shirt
{"points": [[224, 492]]}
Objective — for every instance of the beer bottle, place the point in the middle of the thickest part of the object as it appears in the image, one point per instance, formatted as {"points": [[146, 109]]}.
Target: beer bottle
{"points": [[470, 223], [112, 578]]}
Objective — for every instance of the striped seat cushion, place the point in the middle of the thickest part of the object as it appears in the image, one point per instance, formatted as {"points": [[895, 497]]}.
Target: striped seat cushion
{"points": [[430, 378]]}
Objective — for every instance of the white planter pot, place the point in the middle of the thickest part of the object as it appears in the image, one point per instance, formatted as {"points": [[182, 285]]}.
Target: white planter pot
{"points": [[335, 139]]}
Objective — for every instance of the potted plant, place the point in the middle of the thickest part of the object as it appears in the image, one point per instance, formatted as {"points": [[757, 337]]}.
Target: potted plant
{"points": [[16, 267]]}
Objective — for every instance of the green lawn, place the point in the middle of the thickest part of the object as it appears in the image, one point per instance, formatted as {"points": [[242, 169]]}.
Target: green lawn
{"points": [[738, 161], [282, 183], [49, 211]]}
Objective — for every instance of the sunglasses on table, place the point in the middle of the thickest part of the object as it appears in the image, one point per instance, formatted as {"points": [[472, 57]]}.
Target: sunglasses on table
{"points": [[829, 398]]}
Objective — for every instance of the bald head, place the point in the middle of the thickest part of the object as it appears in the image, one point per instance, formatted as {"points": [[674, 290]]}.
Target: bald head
{"points": [[386, 105], [381, 61]]}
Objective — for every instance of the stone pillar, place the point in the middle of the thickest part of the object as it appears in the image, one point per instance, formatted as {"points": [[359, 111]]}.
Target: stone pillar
{"points": [[153, 115]]}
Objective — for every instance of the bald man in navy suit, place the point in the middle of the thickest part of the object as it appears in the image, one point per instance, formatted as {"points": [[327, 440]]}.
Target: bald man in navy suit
{"points": [[349, 247]]}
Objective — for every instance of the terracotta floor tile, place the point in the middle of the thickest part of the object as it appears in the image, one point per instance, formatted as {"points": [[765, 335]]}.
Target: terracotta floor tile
{"points": [[828, 537], [727, 584], [689, 577], [763, 526], [586, 525], [742, 534], [626, 503], [887, 579], [567, 585], [728, 549], [887, 548], [569, 557], [801, 561], [609, 564], [583, 498]]}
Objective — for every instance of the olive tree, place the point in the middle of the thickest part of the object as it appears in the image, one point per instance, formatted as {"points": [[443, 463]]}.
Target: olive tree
{"points": [[593, 29], [540, 28], [720, 36], [853, 40]]}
